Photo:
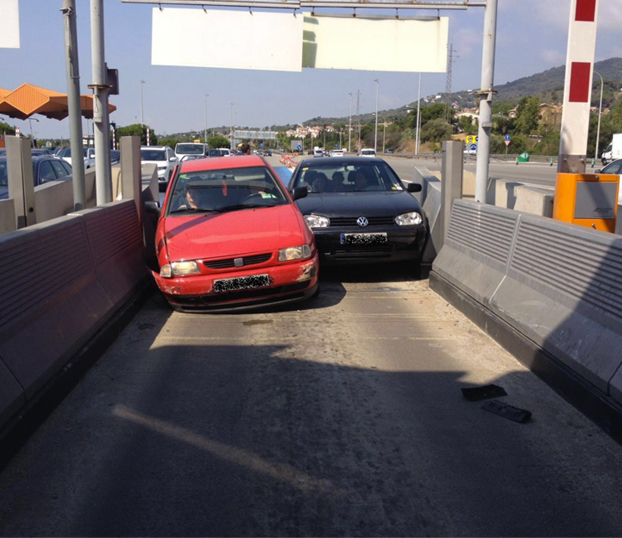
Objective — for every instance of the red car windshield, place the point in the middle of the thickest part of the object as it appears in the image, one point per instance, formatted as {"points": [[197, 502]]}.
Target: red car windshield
{"points": [[225, 190]]}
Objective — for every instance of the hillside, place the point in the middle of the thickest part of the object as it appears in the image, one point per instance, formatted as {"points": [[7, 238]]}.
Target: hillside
{"points": [[548, 85]]}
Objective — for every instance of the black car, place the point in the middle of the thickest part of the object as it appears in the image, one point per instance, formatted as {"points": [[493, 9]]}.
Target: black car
{"points": [[45, 168], [359, 210], [267, 153]]}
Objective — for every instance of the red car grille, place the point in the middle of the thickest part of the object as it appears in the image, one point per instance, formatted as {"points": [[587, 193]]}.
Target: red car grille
{"points": [[230, 262]]}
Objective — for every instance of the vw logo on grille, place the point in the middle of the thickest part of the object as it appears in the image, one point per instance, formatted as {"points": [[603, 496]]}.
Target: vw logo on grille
{"points": [[362, 222]]}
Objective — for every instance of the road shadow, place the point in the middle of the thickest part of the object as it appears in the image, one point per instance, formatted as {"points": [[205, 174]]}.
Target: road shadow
{"points": [[183, 435]]}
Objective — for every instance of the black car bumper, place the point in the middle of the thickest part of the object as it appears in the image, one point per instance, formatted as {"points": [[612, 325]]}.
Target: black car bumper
{"points": [[403, 244]]}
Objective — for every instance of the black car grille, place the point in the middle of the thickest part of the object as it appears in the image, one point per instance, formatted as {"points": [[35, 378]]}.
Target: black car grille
{"points": [[230, 262], [355, 251], [343, 222]]}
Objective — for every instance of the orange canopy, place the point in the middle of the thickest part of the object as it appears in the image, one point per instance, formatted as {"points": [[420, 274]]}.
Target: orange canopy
{"points": [[29, 99]]}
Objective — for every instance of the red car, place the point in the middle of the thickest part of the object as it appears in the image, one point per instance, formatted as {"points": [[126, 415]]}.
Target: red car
{"points": [[230, 237]]}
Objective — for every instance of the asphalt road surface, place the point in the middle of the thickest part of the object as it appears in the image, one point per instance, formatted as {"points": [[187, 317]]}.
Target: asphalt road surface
{"points": [[339, 417]]}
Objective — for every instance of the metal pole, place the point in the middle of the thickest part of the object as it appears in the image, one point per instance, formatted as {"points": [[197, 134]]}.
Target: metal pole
{"points": [[600, 107], [231, 126], [73, 102], [358, 119], [350, 127], [418, 117], [206, 96], [142, 117], [376, 128], [485, 105], [101, 124], [384, 131]]}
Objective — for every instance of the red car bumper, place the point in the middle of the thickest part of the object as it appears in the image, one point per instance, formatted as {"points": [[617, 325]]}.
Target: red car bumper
{"points": [[289, 282]]}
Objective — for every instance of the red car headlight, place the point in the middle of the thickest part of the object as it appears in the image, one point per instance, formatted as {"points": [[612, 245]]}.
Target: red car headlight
{"points": [[179, 269]]}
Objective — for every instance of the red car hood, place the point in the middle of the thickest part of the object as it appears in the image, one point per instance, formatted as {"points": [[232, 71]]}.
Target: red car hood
{"points": [[233, 234]]}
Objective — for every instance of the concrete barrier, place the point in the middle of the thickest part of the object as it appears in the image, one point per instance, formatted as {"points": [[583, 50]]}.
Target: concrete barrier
{"points": [[61, 281], [477, 248], [557, 285], [430, 200], [8, 223]]}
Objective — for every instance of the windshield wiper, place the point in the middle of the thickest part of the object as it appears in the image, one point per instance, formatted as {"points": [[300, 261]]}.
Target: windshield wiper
{"points": [[194, 210], [243, 206]]}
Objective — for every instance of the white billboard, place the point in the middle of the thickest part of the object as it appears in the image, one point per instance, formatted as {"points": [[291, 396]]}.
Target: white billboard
{"points": [[376, 45], [9, 24], [227, 39]]}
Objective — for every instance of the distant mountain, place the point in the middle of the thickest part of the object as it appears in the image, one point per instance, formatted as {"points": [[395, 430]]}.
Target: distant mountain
{"points": [[548, 85]]}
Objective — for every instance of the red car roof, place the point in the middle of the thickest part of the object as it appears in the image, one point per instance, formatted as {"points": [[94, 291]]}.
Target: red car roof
{"points": [[218, 163]]}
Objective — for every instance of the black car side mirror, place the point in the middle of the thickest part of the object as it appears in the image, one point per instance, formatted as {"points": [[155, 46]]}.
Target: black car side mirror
{"points": [[152, 206], [299, 192], [599, 171], [414, 187]]}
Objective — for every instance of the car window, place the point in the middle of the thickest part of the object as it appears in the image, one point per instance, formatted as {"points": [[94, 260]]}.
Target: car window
{"points": [[4, 173], [66, 166], [152, 155], [613, 168], [65, 152], [46, 172], [61, 172], [350, 177], [226, 190], [190, 149]]}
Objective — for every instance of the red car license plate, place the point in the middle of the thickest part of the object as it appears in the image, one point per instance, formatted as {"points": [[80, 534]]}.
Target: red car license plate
{"points": [[364, 239], [224, 285]]}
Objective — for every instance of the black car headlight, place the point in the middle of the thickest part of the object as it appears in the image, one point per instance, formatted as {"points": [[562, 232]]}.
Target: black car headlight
{"points": [[409, 219], [316, 221]]}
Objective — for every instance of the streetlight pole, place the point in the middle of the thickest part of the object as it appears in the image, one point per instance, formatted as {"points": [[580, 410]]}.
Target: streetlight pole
{"points": [[32, 138], [142, 118], [376, 128], [384, 128], [418, 117], [350, 126], [206, 96], [231, 126], [600, 107]]}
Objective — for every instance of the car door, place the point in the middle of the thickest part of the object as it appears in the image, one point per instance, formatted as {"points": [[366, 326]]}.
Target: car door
{"points": [[44, 173]]}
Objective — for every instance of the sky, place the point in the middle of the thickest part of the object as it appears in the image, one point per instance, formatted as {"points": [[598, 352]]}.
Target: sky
{"points": [[532, 36]]}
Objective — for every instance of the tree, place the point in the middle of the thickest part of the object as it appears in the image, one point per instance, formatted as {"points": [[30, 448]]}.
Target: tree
{"points": [[527, 115], [436, 130], [6, 128], [218, 142], [137, 129]]}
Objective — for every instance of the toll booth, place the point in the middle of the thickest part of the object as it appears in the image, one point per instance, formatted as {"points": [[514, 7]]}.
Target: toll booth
{"points": [[589, 200]]}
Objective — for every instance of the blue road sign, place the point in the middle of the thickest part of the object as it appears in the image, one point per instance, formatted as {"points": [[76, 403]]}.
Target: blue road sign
{"points": [[507, 137], [261, 145], [298, 147], [473, 147]]}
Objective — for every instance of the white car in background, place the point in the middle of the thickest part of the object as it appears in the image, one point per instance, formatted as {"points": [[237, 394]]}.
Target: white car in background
{"points": [[336, 153], [88, 153], [163, 157], [367, 152], [194, 149]]}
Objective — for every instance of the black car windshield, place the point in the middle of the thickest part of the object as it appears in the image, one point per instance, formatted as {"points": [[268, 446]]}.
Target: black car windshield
{"points": [[190, 149], [153, 155], [348, 177], [227, 189]]}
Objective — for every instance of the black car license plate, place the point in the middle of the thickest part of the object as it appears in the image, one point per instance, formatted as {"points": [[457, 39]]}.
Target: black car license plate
{"points": [[364, 239], [241, 283]]}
